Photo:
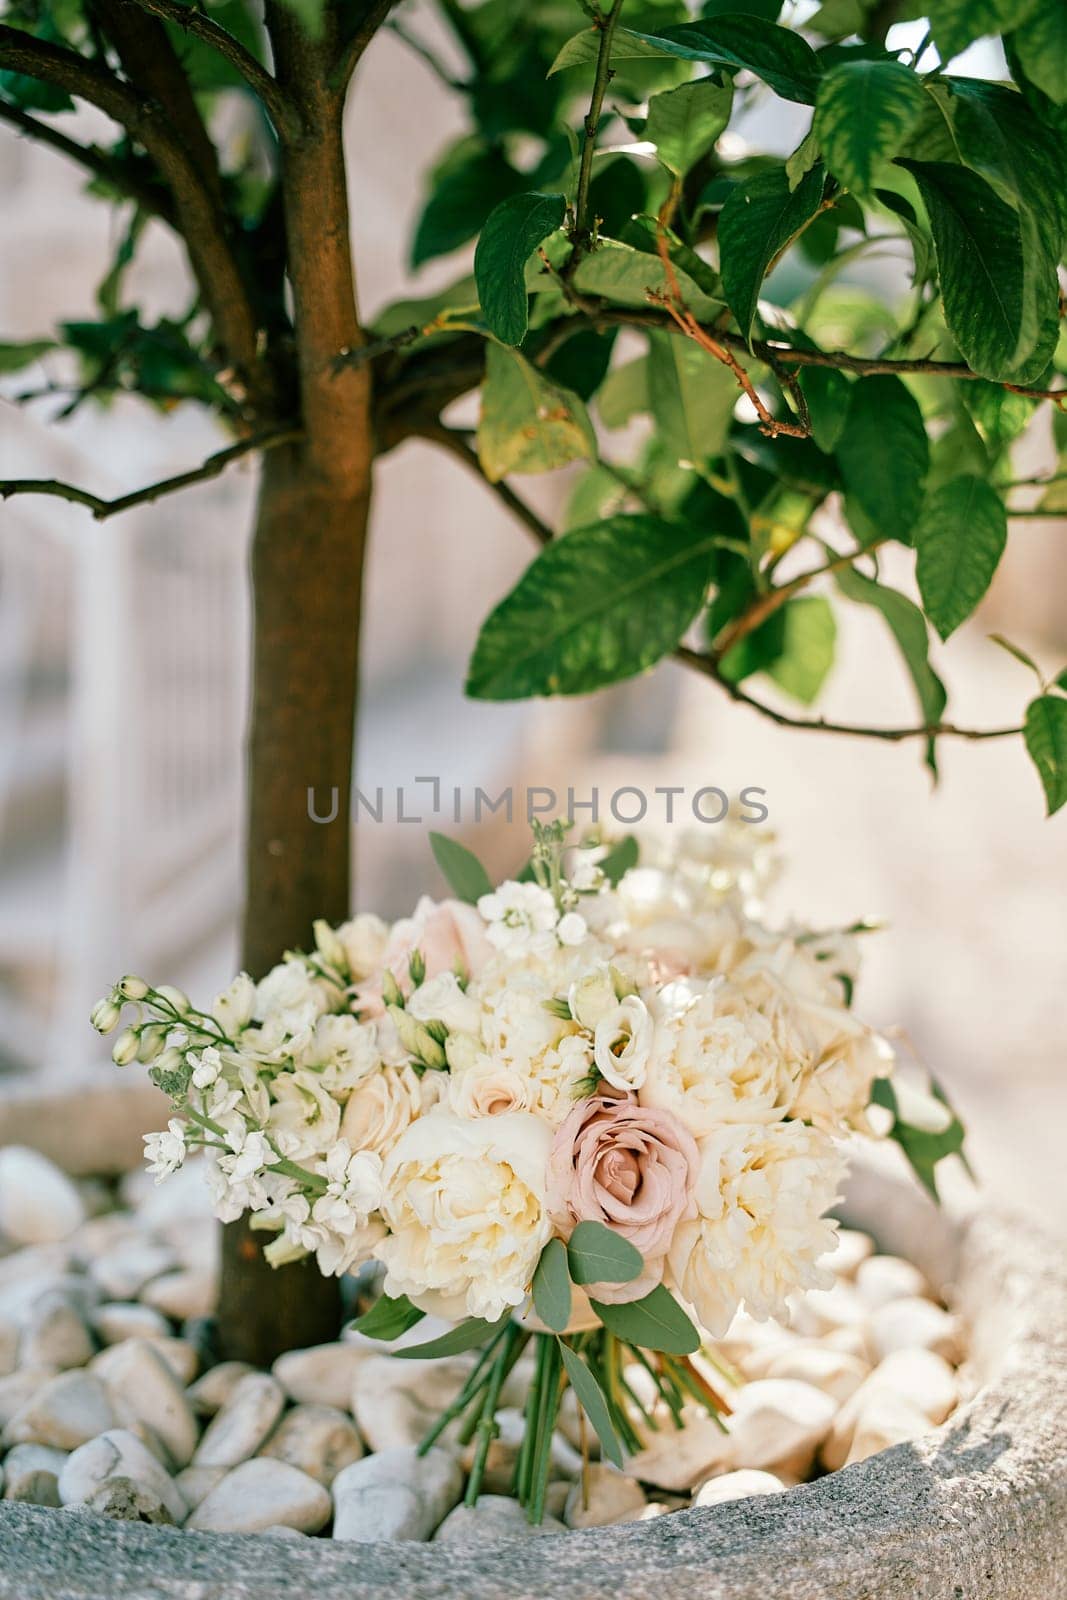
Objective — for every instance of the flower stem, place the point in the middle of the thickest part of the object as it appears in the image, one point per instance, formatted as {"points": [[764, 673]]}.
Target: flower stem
{"points": [[487, 1428]]}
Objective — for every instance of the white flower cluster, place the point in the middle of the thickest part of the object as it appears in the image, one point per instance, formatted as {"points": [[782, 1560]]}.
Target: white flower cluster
{"points": [[447, 1094]]}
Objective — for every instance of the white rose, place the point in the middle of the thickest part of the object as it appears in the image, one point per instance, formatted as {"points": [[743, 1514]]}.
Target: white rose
{"points": [[487, 1089], [465, 1202], [592, 997], [363, 940], [760, 1230], [381, 1108], [441, 999], [622, 1043]]}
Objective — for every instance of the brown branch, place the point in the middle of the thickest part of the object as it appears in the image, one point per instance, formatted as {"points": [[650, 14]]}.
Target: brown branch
{"points": [[94, 160], [102, 509], [456, 442], [375, 13], [200, 216], [765, 605], [198, 25], [601, 78]]}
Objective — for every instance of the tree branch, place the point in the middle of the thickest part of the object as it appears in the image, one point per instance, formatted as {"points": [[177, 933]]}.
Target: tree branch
{"points": [[199, 213], [456, 442], [102, 509], [602, 77], [375, 13], [198, 25], [99, 163]]}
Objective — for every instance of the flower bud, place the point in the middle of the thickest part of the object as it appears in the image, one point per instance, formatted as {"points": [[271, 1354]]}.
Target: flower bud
{"points": [[105, 1015], [131, 988], [176, 998], [329, 946], [391, 990], [170, 1060], [153, 1038], [125, 1047]]}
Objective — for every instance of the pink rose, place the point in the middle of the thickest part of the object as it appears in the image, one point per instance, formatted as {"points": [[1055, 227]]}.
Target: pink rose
{"points": [[444, 932], [629, 1166]]}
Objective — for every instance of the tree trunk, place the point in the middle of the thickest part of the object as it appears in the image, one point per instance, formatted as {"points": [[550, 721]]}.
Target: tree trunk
{"points": [[307, 563]]}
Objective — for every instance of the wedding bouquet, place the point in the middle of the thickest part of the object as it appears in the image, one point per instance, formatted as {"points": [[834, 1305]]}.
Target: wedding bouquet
{"points": [[599, 1107]]}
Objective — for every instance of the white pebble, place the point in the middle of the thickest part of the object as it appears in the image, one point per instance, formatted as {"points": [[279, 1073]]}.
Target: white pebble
{"points": [[396, 1402], [128, 1319], [492, 1517], [117, 1453], [237, 1431], [65, 1413], [676, 1459], [144, 1388], [55, 1335], [196, 1483], [835, 1373], [31, 1474], [914, 1323], [884, 1420], [320, 1440], [778, 1424], [323, 1374], [19, 1387], [211, 1392], [38, 1202], [885, 1278], [852, 1248], [737, 1486], [188, 1293], [612, 1497], [395, 1495], [124, 1271], [263, 1494], [9, 1347]]}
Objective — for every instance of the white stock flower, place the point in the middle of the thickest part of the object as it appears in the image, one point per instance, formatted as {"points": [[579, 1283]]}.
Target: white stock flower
{"points": [[761, 1195], [441, 999], [353, 1189], [381, 1108], [622, 1043], [717, 1059], [291, 995], [164, 1152], [304, 1117], [254, 1154], [465, 1200], [522, 918], [206, 1067], [571, 928], [233, 1008], [344, 1051]]}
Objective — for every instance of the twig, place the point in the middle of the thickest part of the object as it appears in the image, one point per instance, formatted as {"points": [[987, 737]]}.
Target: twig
{"points": [[426, 55], [456, 441], [102, 509], [602, 77], [200, 26], [767, 604], [148, 196]]}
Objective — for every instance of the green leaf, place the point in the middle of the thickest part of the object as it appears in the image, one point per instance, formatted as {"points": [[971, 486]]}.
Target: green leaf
{"points": [[387, 1318], [807, 654], [1004, 329], [922, 1148], [624, 275], [957, 23], [757, 222], [601, 604], [784, 60], [655, 1323], [464, 188], [512, 232], [908, 627], [1045, 732], [884, 454], [527, 423], [591, 1399], [14, 357], [802, 160], [620, 858], [466, 876], [864, 113], [465, 1336], [1041, 43], [552, 1286], [595, 1254], [692, 397], [684, 123], [827, 394], [1018, 653], [624, 393], [959, 540], [999, 136]]}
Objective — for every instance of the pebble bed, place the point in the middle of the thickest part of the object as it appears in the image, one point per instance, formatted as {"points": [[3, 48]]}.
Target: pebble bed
{"points": [[111, 1401]]}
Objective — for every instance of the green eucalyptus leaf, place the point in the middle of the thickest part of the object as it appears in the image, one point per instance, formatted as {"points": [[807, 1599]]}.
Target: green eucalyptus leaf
{"points": [[466, 876], [684, 123], [1045, 732], [1004, 324], [601, 604], [387, 1318], [922, 1148], [591, 1399], [884, 453], [528, 423], [760, 218], [959, 540], [465, 1336], [655, 1323], [596, 1254], [864, 113], [512, 232], [552, 1286]]}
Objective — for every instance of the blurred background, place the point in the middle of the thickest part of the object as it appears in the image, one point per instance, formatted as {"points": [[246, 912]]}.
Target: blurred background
{"points": [[123, 685]]}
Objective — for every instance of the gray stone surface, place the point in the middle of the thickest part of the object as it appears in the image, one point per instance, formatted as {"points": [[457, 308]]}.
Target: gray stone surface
{"points": [[974, 1510]]}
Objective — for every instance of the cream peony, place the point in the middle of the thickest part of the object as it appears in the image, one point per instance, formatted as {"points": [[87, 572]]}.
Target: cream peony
{"points": [[761, 1194], [465, 1202], [717, 1059]]}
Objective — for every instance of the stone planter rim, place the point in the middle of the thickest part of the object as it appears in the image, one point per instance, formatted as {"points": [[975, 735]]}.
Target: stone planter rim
{"points": [[973, 1509]]}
